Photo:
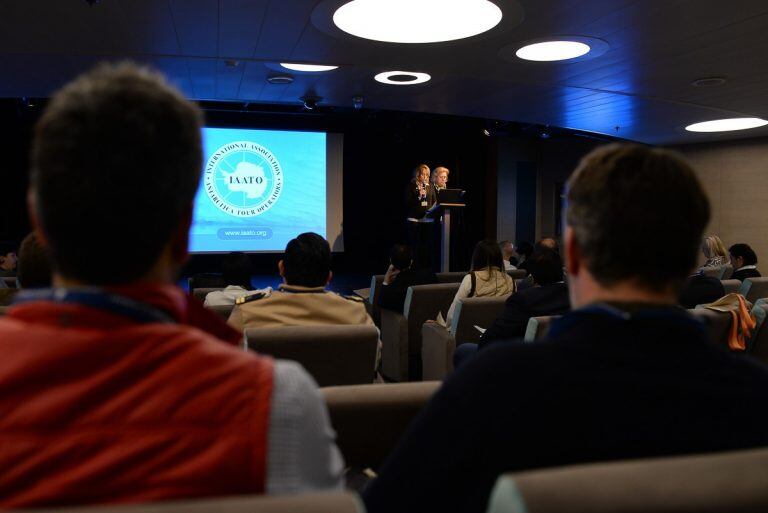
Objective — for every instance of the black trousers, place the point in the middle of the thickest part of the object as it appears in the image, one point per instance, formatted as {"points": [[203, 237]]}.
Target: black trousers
{"points": [[421, 240]]}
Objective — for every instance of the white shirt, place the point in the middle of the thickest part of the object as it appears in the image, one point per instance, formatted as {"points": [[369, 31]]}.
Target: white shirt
{"points": [[508, 266]]}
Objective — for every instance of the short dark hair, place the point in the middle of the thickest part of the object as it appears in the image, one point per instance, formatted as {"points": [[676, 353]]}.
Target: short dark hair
{"points": [[525, 249], [622, 196], [745, 252], [487, 254], [547, 244], [34, 263], [116, 161], [236, 270], [401, 256], [307, 260], [546, 267]]}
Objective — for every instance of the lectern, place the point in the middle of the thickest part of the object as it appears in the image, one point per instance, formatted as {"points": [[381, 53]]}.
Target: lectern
{"points": [[449, 200]]}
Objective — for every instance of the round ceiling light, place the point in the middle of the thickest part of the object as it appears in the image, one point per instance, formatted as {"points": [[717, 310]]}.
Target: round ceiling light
{"points": [[417, 21], [727, 125], [402, 77], [307, 68], [553, 51]]}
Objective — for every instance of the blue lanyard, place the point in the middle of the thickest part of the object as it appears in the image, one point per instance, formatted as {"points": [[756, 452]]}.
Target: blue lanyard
{"points": [[136, 311]]}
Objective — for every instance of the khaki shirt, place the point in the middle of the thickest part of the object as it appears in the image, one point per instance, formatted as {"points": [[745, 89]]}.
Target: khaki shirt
{"points": [[299, 306]]}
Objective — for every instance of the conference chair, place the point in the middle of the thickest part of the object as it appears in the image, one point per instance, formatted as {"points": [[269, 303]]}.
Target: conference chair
{"points": [[10, 281], [538, 327], [201, 292], [343, 354], [369, 420], [754, 289], [731, 286], [713, 272], [450, 277], [438, 344], [717, 324], [401, 333], [724, 482], [201, 280], [223, 310], [725, 272], [329, 502], [518, 274], [758, 344], [372, 305]]}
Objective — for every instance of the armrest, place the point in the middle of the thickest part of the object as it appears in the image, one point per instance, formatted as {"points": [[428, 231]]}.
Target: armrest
{"points": [[437, 346]]}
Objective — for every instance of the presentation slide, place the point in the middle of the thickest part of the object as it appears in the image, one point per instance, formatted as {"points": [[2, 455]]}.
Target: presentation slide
{"points": [[261, 188]]}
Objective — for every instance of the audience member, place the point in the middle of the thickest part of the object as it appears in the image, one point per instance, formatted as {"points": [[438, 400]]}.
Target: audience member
{"points": [[700, 289], [301, 299], [714, 251], [401, 275], [744, 262], [8, 259], [507, 255], [114, 386], [487, 277], [628, 374], [236, 273], [548, 296], [547, 244], [34, 263]]}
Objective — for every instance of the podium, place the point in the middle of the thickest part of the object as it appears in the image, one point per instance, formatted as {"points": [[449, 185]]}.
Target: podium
{"points": [[445, 209]]}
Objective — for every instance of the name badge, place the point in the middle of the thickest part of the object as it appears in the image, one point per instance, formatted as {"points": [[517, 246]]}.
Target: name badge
{"points": [[423, 203]]}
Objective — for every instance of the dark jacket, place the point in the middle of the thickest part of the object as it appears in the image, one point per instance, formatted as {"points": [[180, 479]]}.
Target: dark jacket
{"points": [[700, 289], [532, 302], [392, 296], [604, 386], [413, 202], [744, 274]]}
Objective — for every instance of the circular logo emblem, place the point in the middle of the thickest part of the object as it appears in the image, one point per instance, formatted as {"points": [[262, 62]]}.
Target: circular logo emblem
{"points": [[243, 179]]}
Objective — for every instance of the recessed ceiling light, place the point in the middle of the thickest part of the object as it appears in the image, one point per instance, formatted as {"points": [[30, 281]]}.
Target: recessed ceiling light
{"points": [[308, 68], [553, 51], [417, 21], [402, 77], [726, 125]]}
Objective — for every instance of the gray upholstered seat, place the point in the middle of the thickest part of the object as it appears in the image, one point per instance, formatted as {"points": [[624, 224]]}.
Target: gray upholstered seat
{"points": [[713, 272], [372, 305], [724, 482], [332, 354], [518, 274], [10, 281], [401, 333], [731, 286], [200, 293], [450, 277], [437, 344], [223, 310], [330, 502], [538, 327], [725, 272], [754, 289], [718, 324], [758, 345], [370, 419]]}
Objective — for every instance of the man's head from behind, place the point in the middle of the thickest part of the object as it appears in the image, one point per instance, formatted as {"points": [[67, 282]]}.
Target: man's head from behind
{"points": [[619, 198], [116, 161], [742, 254], [546, 267], [401, 256], [34, 263], [307, 261]]}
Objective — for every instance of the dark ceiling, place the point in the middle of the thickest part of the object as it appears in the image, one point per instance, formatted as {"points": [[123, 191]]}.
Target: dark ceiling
{"points": [[639, 89]]}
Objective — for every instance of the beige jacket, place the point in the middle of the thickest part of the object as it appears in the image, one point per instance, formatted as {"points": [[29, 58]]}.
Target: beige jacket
{"points": [[299, 306]]}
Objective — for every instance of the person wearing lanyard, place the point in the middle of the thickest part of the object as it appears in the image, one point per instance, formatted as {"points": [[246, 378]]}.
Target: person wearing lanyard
{"points": [[419, 198], [116, 385]]}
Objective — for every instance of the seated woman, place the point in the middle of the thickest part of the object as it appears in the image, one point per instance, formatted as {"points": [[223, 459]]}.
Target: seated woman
{"points": [[487, 277], [744, 262], [714, 250]]}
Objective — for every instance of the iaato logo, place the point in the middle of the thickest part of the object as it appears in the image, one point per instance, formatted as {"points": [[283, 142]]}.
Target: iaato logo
{"points": [[243, 179]]}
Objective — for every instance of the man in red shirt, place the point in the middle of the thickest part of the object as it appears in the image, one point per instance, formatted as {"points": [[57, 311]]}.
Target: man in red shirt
{"points": [[114, 387]]}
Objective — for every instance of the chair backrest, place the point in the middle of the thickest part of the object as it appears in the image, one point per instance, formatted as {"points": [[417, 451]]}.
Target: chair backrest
{"points": [[330, 502], [201, 292], [422, 303], [451, 277], [201, 280], [754, 289], [223, 310], [725, 272], [376, 283], [10, 281], [475, 311], [714, 272], [723, 482], [718, 325], [538, 327], [369, 420], [518, 274], [731, 286], [332, 354], [759, 342]]}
